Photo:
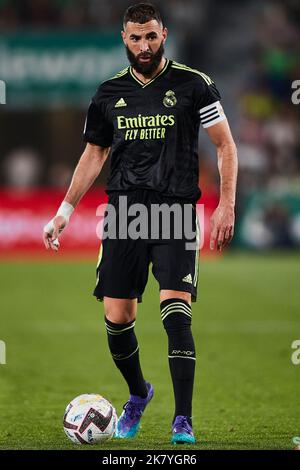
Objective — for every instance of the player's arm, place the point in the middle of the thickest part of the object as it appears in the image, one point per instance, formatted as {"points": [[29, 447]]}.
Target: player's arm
{"points": [[86, 171], [222, 220]]}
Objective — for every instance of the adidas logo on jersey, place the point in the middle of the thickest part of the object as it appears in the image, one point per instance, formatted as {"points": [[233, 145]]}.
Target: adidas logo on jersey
{"points": [[188, 279], [121, 103]]}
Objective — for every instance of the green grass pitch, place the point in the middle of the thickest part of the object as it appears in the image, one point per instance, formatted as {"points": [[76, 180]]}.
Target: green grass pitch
{"points": [[246, 390]]}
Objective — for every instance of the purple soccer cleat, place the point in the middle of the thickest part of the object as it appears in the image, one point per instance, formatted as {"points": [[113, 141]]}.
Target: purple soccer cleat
{"points": [[129, 421], [182, 431]]}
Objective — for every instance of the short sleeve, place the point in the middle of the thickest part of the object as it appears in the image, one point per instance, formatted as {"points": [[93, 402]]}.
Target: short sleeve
{"points": [[97, 129], [207, 101]]}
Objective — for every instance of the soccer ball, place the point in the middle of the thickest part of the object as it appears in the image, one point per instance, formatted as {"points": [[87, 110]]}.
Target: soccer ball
{"points": [[90, 419]]}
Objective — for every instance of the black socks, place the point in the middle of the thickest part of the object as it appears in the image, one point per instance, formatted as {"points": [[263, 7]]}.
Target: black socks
{"points": [[124, 349], [176, 315]]}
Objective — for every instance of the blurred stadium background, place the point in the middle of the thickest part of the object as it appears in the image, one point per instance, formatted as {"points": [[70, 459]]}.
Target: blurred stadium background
{"points": [[53, 54]]}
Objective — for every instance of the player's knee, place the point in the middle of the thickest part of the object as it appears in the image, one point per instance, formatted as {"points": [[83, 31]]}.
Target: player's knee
{"points": [[119, 317], [166, 294], [120, 310]]}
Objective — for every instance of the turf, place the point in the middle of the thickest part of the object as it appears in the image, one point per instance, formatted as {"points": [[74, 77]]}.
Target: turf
{"points": [[246, 390]]}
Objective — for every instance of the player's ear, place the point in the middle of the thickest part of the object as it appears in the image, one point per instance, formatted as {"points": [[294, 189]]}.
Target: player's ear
{"points": [[123, 34], [165, 34]]}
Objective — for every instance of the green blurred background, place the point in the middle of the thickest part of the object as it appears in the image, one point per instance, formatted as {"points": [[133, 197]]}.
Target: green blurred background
{"points": [[246, 389]]}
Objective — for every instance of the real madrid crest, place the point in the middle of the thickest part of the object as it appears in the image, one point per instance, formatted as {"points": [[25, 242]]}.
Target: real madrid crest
{"points": [[169, 99]]}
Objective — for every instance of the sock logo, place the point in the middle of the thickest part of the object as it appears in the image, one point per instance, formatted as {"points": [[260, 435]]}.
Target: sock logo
{"points": [[183, 353]]}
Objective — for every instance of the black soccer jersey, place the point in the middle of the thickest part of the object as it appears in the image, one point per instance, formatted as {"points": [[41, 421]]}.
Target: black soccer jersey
{"points": [[153, 128]]}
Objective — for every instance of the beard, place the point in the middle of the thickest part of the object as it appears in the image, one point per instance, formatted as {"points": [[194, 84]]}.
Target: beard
{"points": [[146, 69]]}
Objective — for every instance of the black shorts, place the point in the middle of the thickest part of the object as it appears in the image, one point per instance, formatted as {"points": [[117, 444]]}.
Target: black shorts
{"points": [[123, 264]]}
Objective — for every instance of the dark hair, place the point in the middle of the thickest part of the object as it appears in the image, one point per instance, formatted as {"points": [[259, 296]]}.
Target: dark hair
{"points": [[142, 13]]}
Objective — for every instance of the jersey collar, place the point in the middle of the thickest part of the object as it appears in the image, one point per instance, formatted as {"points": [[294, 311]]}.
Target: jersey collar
{"points": [[143, 85]]}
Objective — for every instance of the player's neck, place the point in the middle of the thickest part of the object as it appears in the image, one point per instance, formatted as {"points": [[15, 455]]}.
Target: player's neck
{"points": [[144, 79]]}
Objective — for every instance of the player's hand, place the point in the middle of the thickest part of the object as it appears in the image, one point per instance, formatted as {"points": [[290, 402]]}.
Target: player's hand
{"points": [[222, 226], [53, 230]]}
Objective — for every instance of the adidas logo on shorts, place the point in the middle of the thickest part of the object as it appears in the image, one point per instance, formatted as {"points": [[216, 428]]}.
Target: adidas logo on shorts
{"points": [[188, 279]]}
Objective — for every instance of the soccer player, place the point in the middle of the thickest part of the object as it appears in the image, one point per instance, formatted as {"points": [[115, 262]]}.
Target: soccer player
{"points": [[147, 118]]}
